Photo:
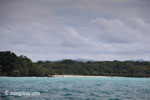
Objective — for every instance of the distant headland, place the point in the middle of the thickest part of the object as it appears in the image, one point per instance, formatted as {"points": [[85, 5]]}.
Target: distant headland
{"points": [[19, 66]]}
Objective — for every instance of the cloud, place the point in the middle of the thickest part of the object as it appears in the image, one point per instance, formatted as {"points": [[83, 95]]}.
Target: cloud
{"points": [[122, 37], [97, 29], [114, 31]]}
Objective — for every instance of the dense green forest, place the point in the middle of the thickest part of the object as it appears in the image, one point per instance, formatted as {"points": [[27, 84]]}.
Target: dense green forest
{"points": [[13, 65]]}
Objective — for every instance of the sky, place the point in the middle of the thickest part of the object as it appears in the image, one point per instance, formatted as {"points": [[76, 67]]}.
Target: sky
{"points": [[72, 29]]}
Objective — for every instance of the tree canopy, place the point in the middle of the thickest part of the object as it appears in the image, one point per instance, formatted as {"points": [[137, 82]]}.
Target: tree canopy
{"points": [[13, 65]]}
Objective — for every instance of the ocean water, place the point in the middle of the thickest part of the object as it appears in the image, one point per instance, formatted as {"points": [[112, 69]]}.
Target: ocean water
{"points": [[74, 88]]}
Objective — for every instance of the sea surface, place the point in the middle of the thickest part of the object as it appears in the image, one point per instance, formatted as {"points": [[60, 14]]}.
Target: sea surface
{"points": [[74, 88]]}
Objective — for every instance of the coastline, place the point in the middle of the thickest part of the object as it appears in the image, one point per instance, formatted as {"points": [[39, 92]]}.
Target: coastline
{"points": [[80, 76], [90, 76]]}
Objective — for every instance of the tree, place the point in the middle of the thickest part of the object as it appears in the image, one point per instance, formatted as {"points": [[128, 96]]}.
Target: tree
{"points": [[15, 73], [1, 70], [13, 65]]}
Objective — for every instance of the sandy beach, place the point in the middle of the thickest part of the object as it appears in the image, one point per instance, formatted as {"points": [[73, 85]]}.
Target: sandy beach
{"points": [[77, 76]]}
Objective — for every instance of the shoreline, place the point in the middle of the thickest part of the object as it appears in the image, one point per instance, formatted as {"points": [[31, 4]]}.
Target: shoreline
{"points": [[86, 76], [93, 76], [78, 76]]}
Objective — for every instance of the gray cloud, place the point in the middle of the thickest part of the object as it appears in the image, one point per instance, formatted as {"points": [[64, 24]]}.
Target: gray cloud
{"points": [[97, 29]]}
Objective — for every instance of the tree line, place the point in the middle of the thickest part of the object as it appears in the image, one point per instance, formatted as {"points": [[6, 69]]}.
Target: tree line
{"points": [[13, 65]]}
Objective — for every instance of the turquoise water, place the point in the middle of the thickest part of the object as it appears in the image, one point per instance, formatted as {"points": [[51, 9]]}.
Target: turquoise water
{"points": [[75, 88]]}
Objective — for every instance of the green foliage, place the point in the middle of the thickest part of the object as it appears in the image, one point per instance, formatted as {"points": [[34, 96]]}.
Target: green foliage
{"points": [[1, 70], [37, 70], [15, 73], [8, 60], [13, 65]]}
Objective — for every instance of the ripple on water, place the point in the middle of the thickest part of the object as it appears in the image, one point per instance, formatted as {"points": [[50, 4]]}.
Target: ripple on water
{"points": [[77, 88]]}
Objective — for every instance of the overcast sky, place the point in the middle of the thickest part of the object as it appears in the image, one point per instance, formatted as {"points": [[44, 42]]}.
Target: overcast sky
{"points": [[71, 29]]}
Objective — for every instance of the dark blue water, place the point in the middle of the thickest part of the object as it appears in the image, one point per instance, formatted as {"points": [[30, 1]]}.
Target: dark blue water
{"points": [[75, 88]]}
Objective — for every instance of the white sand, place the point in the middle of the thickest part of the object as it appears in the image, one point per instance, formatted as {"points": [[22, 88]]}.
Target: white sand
{"points": [[78, 76]]}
